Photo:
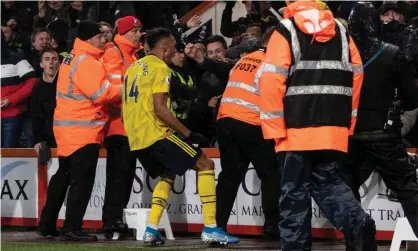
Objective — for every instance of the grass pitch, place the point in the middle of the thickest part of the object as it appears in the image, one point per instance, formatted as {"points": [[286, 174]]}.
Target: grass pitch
{"points": [[69, 247]]}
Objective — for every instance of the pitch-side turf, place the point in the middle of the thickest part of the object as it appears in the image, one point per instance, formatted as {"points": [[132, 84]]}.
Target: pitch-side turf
{"points": [[60, 247], [30, 241]]}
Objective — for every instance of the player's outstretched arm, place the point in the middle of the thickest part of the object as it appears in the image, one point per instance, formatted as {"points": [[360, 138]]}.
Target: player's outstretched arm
{"points": [[164, 114]]}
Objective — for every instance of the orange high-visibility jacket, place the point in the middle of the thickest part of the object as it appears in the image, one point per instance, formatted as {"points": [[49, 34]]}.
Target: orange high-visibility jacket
{"points": [[118, 56], [311, 62], [241, 97], [83, 90]]}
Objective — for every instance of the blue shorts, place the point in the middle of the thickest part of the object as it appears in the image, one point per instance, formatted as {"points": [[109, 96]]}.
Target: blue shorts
{"points": [[171, 154]]}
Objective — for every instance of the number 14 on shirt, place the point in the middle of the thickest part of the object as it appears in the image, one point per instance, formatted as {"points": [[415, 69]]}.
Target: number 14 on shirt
{"points": [[133, 92]]}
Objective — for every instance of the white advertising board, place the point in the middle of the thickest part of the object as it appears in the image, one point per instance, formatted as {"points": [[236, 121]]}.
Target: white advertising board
{"points": [[184, 204], [19, 187]]}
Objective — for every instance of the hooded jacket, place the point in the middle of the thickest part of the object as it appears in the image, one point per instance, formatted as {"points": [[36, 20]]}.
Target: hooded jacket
{"points": [[310, 82]]}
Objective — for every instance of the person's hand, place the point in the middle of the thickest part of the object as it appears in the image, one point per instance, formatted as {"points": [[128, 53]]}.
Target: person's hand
{"points": [[77, 5], [5, 102], [37, 148], [41, 8], [99, 115], [197, 138], [194, 53], [12, 23], [195, 21], [237, 39], [214, 101], [225, 60], [43, 151], [245, 36]]}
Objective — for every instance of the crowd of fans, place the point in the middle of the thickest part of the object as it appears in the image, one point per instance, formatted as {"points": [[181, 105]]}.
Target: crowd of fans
{"points": [[40, 34], [67, 66], [32, 32]]}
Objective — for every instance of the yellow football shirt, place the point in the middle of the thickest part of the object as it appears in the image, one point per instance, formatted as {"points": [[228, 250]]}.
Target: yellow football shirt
{"points": [[143, 78]]}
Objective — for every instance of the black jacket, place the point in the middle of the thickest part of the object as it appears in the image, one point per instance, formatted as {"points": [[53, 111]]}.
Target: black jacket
{"points": [[162, 14], [42, 112], [71, 16], [21, 13], [34, 59], [410, 49], [231, 29], [392, 32], [213, 83], [388, 71], [110, 11]]}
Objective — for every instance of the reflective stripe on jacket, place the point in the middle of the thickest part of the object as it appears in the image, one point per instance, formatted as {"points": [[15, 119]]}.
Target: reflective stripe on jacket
{"points": [[314, 106], [241, 98], [118, 56], [82, 91], [185, 104]]}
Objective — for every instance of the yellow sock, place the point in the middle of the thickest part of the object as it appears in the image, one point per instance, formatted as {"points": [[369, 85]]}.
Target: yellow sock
{"points": [[207, 193], [159, 201]]}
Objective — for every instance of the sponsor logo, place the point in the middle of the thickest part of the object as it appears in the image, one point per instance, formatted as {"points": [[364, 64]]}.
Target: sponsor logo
{"points": [[130, 213], [13, 189], [140, 182]]}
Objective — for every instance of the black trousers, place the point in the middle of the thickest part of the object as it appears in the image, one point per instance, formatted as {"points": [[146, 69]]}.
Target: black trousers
{"points": [[83, 163], [57, 189], [390, 159], [120, 172], [239, 144], [315, 174]]}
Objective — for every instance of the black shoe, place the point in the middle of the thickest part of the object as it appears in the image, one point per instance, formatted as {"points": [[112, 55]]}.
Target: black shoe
{"points": [[366, 241], [117, 226], [47, 232], [271, 232], [77, 236]]}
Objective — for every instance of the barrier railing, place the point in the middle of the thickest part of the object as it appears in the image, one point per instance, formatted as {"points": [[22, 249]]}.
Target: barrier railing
{"points": [[198, 10]]}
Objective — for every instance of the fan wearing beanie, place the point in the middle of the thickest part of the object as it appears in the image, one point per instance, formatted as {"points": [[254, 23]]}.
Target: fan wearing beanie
{"points": [[83, 91], [120, 163], [92, 33]]}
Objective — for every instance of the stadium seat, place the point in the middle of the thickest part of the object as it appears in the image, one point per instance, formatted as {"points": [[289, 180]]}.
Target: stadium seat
{"points": [[137, 219]]}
